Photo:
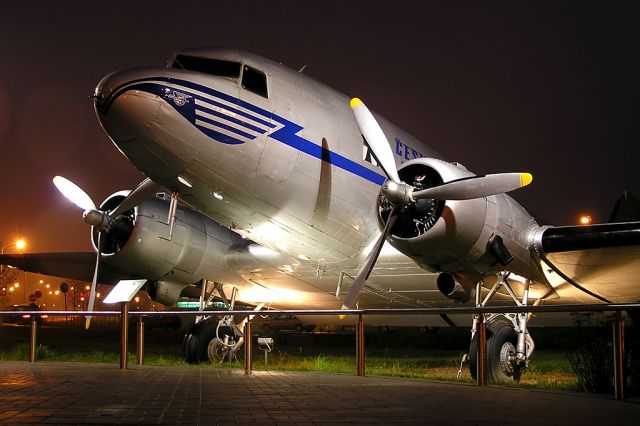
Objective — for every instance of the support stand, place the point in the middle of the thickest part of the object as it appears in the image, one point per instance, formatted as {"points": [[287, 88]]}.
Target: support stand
{"points": [[618, 358], [140, 341], [248, 342], [32, 339], [481, 372], [360, 347], [124, 333]]}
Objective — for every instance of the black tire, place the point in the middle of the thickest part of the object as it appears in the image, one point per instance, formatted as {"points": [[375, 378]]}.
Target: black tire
{"points": [[196, 342], [501, 341]]}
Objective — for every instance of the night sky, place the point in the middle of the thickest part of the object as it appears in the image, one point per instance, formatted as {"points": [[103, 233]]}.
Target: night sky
{"points": [[545, 87]]}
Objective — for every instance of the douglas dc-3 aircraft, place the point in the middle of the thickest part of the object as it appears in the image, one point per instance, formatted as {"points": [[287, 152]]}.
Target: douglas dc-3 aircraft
{"points": [[290, 191]]}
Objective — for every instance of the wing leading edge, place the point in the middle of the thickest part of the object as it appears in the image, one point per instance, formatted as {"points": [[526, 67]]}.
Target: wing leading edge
{"points": [[598, 261]]}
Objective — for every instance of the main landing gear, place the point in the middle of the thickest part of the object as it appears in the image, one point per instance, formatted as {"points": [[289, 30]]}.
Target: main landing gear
{"points": [[214, 339], [509, 345]]}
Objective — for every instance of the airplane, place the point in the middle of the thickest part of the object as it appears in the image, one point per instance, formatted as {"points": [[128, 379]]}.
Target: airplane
{"points": [[269, 186]]}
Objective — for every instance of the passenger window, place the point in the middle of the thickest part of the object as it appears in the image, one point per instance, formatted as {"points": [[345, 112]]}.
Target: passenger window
{"points": [[254, 81], [207, 65]]}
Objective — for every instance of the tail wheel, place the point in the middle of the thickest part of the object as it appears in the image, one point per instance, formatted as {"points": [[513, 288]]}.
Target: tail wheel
{"points": [[501, 347]]}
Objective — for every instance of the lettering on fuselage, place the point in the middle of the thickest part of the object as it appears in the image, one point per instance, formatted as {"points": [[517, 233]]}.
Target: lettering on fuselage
{"points": [[402, 150], [405, 152]]}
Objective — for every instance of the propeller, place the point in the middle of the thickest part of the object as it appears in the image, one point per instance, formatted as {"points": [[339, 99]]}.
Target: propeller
{"points": [[402, 195], [367, 267], [102, 220]]}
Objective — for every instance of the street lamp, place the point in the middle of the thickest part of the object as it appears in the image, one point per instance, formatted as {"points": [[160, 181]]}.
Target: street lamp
{"points": [[585, 220], [20, 244]]}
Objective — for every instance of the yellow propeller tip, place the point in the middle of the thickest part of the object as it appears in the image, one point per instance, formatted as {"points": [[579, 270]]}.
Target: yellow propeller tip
{"points": [[342, 317], [525, 179], [355, 102]]}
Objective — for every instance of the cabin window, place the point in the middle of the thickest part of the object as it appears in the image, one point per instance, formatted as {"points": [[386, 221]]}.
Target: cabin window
{"points": [[216, 67], [254, 81]]}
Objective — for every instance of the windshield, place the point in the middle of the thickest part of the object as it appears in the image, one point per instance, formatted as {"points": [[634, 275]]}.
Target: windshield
{"points": [[210, 66]]}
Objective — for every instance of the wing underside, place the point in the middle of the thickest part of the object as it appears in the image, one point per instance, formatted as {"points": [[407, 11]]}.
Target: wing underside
{"points": [[77, 266]]}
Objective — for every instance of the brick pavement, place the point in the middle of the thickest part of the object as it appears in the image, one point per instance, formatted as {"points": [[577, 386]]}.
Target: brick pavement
{"points": [[87, 394]]}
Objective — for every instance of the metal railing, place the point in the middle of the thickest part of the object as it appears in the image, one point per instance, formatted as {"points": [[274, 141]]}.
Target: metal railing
{"points": [[124, 314]]}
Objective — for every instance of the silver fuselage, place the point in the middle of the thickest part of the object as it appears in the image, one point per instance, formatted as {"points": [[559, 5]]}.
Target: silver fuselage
{"points": [[289, 171]]}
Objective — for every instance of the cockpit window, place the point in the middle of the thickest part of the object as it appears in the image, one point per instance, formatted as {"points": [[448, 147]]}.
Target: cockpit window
{"points": [[207, 65], [254, 81]]}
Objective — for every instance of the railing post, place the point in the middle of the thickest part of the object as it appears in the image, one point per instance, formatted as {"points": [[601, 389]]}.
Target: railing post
{"points": [[248, 341], [124, 333], [140, 340], [360, 347], [481, 356], [618, 357], [32, 339]]}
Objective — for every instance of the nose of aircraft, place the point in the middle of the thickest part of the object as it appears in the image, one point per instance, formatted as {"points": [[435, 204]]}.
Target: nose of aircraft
{"points": [[125, 103]]}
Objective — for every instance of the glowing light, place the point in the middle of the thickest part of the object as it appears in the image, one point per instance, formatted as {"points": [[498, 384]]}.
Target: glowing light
{"points": [[56, 292], [10, 289], [20, 244], [98, 295], [88, 287], [16, 285], [184, 182], [303, 257], [258, 250], [268, 231], [41, 281], [48, 285], [217, 195], [137, 299], [585, 219]]}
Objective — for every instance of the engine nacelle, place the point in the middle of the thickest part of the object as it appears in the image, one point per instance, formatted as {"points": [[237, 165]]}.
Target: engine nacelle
{"points": [[137, 244], [456, 235]]}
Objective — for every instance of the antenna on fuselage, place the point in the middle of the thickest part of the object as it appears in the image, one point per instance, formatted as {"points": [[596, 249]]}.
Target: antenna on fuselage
{"points": [[301, 70]]}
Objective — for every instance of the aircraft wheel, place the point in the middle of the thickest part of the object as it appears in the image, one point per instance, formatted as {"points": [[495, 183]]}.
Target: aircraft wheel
{"points": [[501, 345], [216, 351], [195, 345]]}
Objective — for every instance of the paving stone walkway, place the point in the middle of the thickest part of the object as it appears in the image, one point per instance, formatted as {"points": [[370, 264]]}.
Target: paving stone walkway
{"points": [[87, 394]]}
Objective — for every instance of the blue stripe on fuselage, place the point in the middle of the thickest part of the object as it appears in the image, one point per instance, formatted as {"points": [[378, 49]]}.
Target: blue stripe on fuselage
{"points": [[288, 134]]}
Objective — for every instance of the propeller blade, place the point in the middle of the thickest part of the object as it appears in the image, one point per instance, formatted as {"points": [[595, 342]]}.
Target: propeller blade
{"points": [[146, 189], [94, 282], [73, 193], [367, 267], [475, 187], [376, 139]]}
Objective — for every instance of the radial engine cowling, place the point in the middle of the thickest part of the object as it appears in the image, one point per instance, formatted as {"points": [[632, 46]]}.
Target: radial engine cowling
{"points": [[137, 244], [457, 235]]}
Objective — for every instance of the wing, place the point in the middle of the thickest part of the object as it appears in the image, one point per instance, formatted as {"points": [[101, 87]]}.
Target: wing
{"points": [[78, 266], [589, 263]]}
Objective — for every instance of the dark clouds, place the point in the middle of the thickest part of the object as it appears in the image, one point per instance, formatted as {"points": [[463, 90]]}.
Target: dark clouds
{"points": [[546, 87]]}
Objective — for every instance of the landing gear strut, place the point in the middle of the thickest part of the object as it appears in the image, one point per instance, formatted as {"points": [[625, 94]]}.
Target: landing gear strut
{"points": [[213, 339], [509, 345]]}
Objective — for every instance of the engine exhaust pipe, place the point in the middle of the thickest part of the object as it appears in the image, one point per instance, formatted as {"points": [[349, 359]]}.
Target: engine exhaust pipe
{"points": [[451, 288]]}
